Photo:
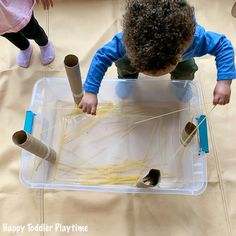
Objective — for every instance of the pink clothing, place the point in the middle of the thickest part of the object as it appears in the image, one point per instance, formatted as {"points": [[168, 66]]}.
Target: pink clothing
{"points": [[15, 14]]}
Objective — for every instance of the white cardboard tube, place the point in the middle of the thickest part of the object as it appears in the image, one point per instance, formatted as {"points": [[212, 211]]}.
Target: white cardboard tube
{"points": [[33, 145], [71, 63]]}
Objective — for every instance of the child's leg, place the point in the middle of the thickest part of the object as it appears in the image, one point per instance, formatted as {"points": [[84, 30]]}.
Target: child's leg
{"points": [[20, 41], [125, 70], [185, 70], [34, 31]]}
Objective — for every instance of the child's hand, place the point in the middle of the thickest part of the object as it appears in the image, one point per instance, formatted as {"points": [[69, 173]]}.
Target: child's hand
{"points": [[222, 92], [89, 103], [46, 3]]}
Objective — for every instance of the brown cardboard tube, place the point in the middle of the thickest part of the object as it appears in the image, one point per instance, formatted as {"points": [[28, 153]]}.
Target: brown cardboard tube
{"points": [[150, 180], [188, 133], [71, 63], [33, 145]]}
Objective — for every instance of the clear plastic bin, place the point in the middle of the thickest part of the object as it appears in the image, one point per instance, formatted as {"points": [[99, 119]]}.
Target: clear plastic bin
{"points": [[137, 128]]}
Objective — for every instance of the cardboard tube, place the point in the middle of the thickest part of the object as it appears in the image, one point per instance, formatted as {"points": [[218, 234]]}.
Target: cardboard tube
{"points": [[71, 63], [188, 133], [150, 180], [33, 145]]}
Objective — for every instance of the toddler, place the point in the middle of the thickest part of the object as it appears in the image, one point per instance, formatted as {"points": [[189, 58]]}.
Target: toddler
{"points": [[18, 24], [160, 37]]}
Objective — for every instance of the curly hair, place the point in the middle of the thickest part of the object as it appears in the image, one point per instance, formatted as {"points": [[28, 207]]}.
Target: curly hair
{"points": [[156, 31]]}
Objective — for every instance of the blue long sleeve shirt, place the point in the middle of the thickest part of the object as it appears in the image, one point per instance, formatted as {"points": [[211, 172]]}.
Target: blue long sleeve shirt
{"points": [[204, 42]]}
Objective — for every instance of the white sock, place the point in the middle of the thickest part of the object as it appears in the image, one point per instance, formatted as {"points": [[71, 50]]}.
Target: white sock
{"points": [[23, 57], [47, 53]]}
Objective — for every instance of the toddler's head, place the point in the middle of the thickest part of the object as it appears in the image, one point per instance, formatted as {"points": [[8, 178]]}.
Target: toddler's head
{"points": [[156, 33]]}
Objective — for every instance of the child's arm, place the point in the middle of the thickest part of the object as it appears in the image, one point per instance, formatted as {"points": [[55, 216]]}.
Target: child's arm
{"points": [[222, 92], [46, 3], [103, 59], [219, 46]]}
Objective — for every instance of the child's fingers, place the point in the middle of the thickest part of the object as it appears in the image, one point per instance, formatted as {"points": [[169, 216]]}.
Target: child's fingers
{"points": [[51, 3], [47, 4], [88, 110], [93, 110], [224, 101], [227, 99], [220, 101], [44, 4], [216, 100], [83, 108]]}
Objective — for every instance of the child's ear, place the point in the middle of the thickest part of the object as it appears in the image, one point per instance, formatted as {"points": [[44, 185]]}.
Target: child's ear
{"points": [[233, 11]]}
